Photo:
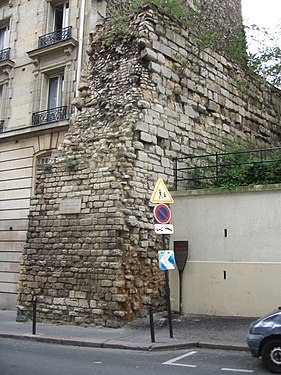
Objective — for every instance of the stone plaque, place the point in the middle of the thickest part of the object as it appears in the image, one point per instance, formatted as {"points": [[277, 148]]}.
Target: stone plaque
{"points": [[70, 205]]}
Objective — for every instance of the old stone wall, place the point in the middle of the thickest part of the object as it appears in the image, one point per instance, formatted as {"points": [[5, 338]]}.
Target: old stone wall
{"points": [[149, 95], [223, 17]]}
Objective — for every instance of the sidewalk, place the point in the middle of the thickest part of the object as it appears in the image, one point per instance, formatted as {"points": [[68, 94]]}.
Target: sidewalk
{"points": [[188, 331]]}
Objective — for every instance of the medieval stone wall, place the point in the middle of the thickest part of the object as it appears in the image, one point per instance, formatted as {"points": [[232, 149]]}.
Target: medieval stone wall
{"points": [[149, 95], [223, 17]]}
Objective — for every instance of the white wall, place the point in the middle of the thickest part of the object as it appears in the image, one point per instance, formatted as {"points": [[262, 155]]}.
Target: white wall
{"points": [[235, 275]]}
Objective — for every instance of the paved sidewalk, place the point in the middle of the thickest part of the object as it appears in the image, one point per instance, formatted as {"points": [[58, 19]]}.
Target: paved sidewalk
{"points": [[188, 331]]}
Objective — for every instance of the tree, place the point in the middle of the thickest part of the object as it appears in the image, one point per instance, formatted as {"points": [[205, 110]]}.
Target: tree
{"points": [[264, 54]]}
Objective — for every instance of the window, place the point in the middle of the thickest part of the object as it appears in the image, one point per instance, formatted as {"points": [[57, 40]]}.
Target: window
{"points": [[4, 43], [52, 101], [58, 25], [55, 91], [60, 16], [4, 37], [1, 109]]}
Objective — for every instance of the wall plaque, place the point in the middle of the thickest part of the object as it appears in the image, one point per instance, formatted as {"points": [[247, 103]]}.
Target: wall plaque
{"points": [[70, 205]]}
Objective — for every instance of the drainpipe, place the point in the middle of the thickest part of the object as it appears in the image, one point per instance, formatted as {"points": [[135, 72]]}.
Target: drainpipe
{"points": [[80, 45]]}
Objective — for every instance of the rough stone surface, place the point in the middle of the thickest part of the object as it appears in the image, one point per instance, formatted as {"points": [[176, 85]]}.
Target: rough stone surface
{"points": [[144, 101]]}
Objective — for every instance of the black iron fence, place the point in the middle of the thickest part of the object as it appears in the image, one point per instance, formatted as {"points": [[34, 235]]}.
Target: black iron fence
{"points": [[228, 169], [5, 54], [54, 37], [50, 115]]}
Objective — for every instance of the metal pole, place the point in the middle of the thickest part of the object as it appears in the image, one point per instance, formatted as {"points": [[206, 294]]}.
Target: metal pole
{"points": [[176, 172], [168, 299], [217, 167], [151, 322], [169, 303], [180, 277], [34, 303]]}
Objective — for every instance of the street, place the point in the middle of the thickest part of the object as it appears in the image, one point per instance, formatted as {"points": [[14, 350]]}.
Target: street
{"points": [[19, 357]]}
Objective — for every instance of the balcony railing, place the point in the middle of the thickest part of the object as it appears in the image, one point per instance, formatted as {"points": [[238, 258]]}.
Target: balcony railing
{"points": [[54, 37], [50, 115], [5, 54]]}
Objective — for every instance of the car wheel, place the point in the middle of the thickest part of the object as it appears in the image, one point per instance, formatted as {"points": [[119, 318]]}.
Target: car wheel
{"points": [[271, 355]]}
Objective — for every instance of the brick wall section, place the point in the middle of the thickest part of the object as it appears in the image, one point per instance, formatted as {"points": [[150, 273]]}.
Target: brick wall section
{"points": [[147, 97]]}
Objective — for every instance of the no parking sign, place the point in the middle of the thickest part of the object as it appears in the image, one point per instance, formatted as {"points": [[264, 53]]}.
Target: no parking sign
{"points": [[162, 213]]}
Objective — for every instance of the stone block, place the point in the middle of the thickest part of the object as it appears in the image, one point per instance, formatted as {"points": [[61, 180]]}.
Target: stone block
{"points": [[97, 311], [119, 298], [149, 54]]}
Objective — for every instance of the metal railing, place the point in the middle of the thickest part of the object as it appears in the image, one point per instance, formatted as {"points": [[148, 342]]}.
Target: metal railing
{"points": [[5, 54], [1, 126], [261, 166], [50, 115], [54, 37]]}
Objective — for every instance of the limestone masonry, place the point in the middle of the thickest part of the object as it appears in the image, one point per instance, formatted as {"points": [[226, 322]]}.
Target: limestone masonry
{"points": [[149, 95]]}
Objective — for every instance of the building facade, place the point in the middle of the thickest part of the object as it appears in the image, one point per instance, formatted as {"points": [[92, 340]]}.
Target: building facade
{"points": [[148, 95]]}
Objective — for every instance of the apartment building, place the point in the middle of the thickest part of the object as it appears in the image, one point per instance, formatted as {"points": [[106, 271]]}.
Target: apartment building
{"points": [[42, 51]]}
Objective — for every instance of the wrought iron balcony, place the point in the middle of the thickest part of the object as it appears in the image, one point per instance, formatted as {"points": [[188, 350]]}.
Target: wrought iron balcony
{"points": [[50, 115], [5, 54], [54, 37], [1, 126]]}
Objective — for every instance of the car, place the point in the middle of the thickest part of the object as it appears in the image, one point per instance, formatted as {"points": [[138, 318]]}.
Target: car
{"points": [[264, 340]]}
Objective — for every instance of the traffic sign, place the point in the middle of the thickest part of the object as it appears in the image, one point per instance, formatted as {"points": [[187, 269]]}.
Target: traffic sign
{"points": [[162, 213], [164, 228], [161, 193], [166, 260]]}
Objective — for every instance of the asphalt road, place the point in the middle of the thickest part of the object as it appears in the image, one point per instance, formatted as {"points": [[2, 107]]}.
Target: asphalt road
{"points": [[19, 357]]}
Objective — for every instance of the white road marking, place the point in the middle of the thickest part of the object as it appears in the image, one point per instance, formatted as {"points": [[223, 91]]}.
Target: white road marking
{"points": [[236, 370], [98, 363], [171, 362]]}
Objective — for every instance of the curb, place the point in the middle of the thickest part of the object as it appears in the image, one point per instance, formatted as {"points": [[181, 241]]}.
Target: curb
{"points": [[114, 344], [222, 345]]}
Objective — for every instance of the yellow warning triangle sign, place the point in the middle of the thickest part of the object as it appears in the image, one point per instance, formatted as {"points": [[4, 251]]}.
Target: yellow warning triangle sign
{"points": [[161, 193]]}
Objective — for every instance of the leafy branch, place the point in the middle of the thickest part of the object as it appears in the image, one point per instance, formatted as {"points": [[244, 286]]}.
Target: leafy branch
{"points": [[266, 60]]}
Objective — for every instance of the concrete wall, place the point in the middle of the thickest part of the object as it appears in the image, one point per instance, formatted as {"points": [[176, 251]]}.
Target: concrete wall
{"points": [[234, 258]]}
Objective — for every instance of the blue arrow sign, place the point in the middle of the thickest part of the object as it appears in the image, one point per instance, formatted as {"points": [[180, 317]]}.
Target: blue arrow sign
{"points": [[166, 260]]}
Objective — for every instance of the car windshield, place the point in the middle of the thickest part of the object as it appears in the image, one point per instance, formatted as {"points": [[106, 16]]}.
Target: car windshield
{"points": [[271, 319]]}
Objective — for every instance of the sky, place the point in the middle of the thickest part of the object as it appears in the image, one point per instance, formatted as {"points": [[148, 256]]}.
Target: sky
{"points": [[264, 13]]}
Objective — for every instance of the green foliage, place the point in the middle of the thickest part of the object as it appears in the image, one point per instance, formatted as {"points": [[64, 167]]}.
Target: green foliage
{"points": [[174, 8], [206, 39], [236, 48], [247, 169], [119, 28], [238, 168], [267, 64], [266, 58]]}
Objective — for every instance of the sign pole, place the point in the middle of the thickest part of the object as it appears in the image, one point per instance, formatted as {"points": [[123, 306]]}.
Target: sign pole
{"points": [[180, 279], [168, 299], [162, 214]]}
